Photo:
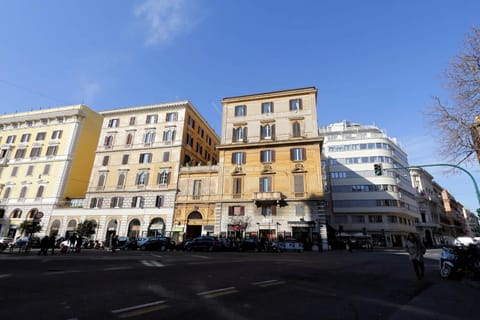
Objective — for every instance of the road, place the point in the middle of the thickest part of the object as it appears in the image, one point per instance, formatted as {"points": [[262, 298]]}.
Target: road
{"points": [[229, 285]]}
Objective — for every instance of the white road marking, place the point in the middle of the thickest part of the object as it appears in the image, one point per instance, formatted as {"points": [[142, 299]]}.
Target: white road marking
{"points": [[140, 309], [117, 268], [6, 275], [268, 283], [152, 263], [217, 292], [197, 256], [53, 272]]}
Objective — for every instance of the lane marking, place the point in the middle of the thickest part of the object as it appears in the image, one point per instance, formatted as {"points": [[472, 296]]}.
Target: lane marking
{"points": [[53, 272], [152, 263], [6, 275], [197, 256], [117, 268], [217, 292], [268, 283], [140, 309]]}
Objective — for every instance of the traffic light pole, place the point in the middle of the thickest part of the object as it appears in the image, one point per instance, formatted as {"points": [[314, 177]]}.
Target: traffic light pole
{"points": [[448, 165]]}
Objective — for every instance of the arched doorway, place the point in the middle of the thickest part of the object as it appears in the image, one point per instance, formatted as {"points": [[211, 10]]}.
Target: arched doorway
{"points": [[194, 227], [54, 228], [111, 231], [156, 228], [72, 225], [134, 229]]}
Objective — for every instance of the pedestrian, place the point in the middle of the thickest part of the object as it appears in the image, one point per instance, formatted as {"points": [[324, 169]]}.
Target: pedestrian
{"points": [[114, 243], [349, 245], [79, 243], [416, 250], [44, 244], [73, 241], [52, 243]]}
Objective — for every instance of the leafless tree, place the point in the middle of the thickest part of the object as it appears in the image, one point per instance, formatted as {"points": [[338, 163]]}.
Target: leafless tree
{"points": [[454, 119]]}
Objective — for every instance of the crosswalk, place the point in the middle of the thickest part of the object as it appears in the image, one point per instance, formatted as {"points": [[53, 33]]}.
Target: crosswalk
{"points": [[152, 263]]}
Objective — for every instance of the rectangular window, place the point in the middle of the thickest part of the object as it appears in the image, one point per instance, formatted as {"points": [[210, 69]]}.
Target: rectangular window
{"points": [[375, 219], [113, 123], [152, 118], [189, 140], [46, 169], [298, 154], [137, 202], [35, 152], [269, 211], [209, 140], [191, 122], [199, 148], [14, 172], [236, 211], [265, 184], [149, 137], [200, 131], [116, 202], [267, 131], [239, 134], [132, 121], [163, 177], [159, 201], [11, 139], [57, 134], [20, 154], [125, 159], [142, 178], [145, 158], [105, 160], [267, 107], [30, 170], [300, 211], [240, 111], [299, 185], [25, 137], [52, 151], [267, 156], [172, 116], [238, 158], [168, 135], [166, 156], [358, 219], [295, 104], [40, 136], [197, 186], [237, 187]]}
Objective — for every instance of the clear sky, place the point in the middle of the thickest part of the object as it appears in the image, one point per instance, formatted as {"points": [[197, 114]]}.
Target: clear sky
{"points": [[374, 62]]}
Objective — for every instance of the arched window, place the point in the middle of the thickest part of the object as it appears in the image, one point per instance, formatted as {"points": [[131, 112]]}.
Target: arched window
{"points": [[16, 214], [129, 139], [134, 228], [195, 215], [55, 227], [156, 228]]}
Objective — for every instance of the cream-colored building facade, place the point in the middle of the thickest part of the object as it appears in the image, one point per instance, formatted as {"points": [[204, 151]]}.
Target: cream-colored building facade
{"points": [[44, 155], [134, 182], [270, 177]]}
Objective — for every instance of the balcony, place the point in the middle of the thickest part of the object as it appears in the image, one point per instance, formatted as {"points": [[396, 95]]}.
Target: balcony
{"points": [[269, 198]]}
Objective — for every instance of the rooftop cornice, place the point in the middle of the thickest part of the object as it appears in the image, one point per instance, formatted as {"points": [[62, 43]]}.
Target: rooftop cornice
{"points": [[176, 104], [73, 110], [269, 95]]}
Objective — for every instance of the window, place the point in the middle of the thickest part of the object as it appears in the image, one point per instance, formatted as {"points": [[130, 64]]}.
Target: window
{"points": [[299, 185], [30, 170], [20, 154], [163, 177], [129, 141], [300, 211], [375, 219], [23, 192], [57, 134], [116, 202], [238, 158], [358, 219], [137, 202], [159, 201], [236, 211], [142, 178], [14, 172], [101, 181], [166, 156], [113, 123], [132, 121], [171, 116], [267, 156], [200, 131], [25, 137], [17, 214], [199, 148], [209, 140], [149, 137], [145, 158], [52, 151], [6, 194], [189, 140], [296, 129], [240, 111], [35, 152], [239, 134], [46, 169], [269, 211], [168, 135], [40, 192], [96, 202], [121, 180], [197, 186], [295, 104], [40, 136], [125, 159], [11, 139], [265, 184], [191, 122], [267, 131], [105, 160], [298, 154], [152, 118], [3, 153], [237, 187], [267, 107], [108, 141]]}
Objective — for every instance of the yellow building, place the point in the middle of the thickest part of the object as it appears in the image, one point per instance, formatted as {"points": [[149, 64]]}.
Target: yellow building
{"points": [[133, 184], [46, 157], [270, 176]]}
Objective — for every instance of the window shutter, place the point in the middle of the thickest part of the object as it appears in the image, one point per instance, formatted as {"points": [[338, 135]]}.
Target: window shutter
{"points": [[100, 202], [274, 210], [244, 157], [262, 156], [292, 154], [273, 131], [233, 157], [304, 154], [120, 202], [234, 135], [245, 130], [273, 155], [142, 202]]}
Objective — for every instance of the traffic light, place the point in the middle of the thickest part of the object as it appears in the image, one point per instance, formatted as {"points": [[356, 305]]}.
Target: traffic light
{"points": [[377, 168]]}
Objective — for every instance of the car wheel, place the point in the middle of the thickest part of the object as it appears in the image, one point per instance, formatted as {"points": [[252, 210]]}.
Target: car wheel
{"points": [[143, 248]]}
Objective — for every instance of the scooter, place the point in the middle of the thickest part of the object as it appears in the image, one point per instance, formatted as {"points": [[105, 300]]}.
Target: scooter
{"points": [[458, 259]]}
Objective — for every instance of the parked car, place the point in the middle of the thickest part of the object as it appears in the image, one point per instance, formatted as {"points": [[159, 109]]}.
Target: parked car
{"points": [[251, 244], [158, 243], [141, 241], [207, 243], [287, 245], [4, 242]]}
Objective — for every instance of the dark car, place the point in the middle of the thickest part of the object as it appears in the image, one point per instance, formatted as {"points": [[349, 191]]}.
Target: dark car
{"points": [[251, 244], [206, 243], [159, 243]]}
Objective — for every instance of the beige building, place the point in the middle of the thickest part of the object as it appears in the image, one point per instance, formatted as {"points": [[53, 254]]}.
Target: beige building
{"points": [[44, 158], [134, 182], [270, 175]]}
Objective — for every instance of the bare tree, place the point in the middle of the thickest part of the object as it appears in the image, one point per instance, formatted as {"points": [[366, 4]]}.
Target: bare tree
{"points": [[454, 119]]}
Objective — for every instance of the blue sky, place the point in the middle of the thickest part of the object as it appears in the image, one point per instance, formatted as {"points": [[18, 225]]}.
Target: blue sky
{"points": [[373, 62]]}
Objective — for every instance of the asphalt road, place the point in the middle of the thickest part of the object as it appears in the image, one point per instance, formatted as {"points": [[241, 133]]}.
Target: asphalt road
{"points": [[229, 285]]}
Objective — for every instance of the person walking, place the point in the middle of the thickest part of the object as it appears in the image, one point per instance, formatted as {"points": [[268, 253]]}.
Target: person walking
{"points": [[44, 244], [51, 243], [416, 250]]}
